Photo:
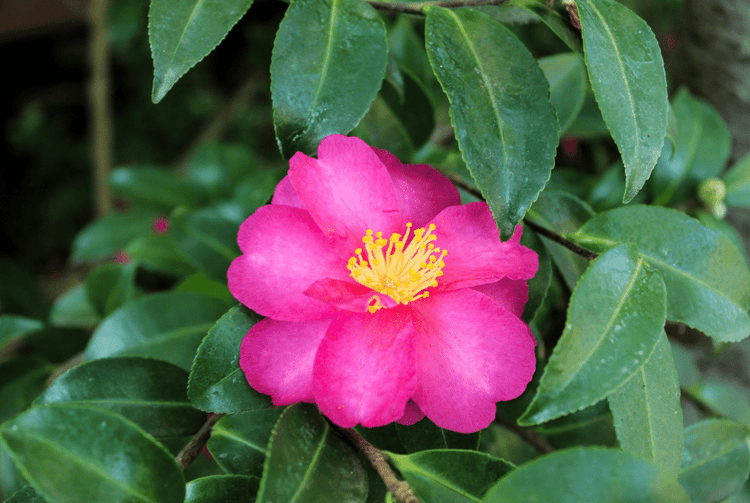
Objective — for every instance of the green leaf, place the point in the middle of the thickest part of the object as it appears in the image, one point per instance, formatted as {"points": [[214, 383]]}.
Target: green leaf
{"points": [[110, 286], [154, 188], [627, 75], [708, 282], [539, 284], [73, 309], [201, 283], [552, 19], [721, 225], [450, 476], [737, 181], [724, 398], [567, 80], [238, 442], [309, 462], [700, 151], [160, 253], [424, 435], [13, 327], [564, 213], [647, 411], [183, 33], [615, 318], [221, 489], [72, 453], [110, 234], [217, 383], [26, 495], [381, 128], [590, 426], [587, 474], [167, 326], [150, 393], [716, 461], [208, 239], [328, 62], [500, 109]]}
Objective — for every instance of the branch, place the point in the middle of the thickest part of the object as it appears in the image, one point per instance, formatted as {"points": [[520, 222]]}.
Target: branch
{"points": [[398, 488], [416, 7], [538, 442], [191, 450], [551, 235]]}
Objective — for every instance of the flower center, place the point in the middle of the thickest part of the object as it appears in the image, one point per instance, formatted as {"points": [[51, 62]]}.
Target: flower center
{"points": [[402, 272]]}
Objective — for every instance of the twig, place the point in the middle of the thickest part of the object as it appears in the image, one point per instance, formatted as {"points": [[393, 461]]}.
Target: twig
{"points": [[538, 442], [416, 7], [191, 450], [100, 105], [398, 488], [553, 236]]}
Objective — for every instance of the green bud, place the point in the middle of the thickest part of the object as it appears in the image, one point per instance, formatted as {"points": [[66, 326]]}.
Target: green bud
{"points": [[711, 192]]}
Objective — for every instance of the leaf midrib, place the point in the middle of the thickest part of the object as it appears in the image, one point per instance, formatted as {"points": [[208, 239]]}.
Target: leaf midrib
{"points": [[309, 470], [326, 62], [430, 476], [220, 432]]}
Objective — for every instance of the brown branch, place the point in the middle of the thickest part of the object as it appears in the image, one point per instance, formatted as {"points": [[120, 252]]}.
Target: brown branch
{"points": [[398, 488], [191, 450], [416, 7], [537, 441]]}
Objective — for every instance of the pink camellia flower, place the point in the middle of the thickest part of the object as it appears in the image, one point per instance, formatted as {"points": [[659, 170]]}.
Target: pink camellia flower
{"points": [[385, 298]]}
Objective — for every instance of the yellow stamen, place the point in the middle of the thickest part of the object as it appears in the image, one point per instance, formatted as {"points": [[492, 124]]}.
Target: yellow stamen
{"points": [[401, 271]]}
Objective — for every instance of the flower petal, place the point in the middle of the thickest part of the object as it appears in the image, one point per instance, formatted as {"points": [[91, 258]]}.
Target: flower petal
{"points": [[364, 370], [347, 191], [511, 293], [471, 353], [346, 295], [412, 414], [284, 252], [277, 358], [286, 195], [421, 190], [476, 255]]}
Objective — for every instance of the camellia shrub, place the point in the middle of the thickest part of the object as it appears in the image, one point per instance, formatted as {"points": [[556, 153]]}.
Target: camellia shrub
{"points": [[488, 273]]}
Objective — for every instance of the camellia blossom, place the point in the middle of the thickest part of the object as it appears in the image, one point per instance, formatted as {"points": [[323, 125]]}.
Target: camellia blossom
{"points": [[385, 298]]}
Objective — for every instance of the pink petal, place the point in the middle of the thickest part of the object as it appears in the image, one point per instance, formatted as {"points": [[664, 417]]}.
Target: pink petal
{"points": [[347, 191], [476, 255], [412, 414], [471, 353], [286, 195], [277, 358], [511, 293], [421, 190], [284, 252], [346, 295], [364, 370]]}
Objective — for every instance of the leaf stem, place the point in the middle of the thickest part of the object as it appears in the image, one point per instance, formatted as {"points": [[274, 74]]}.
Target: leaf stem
{"points": [[398, 488], [551, 235], [416, 7], [191, 450]]}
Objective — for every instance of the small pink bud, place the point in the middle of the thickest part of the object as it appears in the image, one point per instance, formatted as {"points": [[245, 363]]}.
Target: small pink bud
{"points": [[570, 146], [160, 226], [122, 257]]}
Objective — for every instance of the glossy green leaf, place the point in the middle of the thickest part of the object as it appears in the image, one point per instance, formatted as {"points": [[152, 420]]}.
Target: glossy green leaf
{"points": [[726, 228], [152, 187], [26, 495], [160, 253], [412, 107], [208, 239], [563, 213], [238, 442], [217, 383], [627, 75], [647, 411], [700, 151], [587, 474], [615, 318], [221, 489], [737, 181], [328, 62], [450, 476], [500, 109], [590, 426], [110, 234], [539, 284], [76, 453], [166, 326], [724, 398], [589, 124], [201, 283], [381, 128], [707, 279], [553, 20], [183, 33], [684, 360], [13, 327], [110, 286], [566, 74], [73, 309], [150, 393], [716, 461], [309, 462], [424, 435]]}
